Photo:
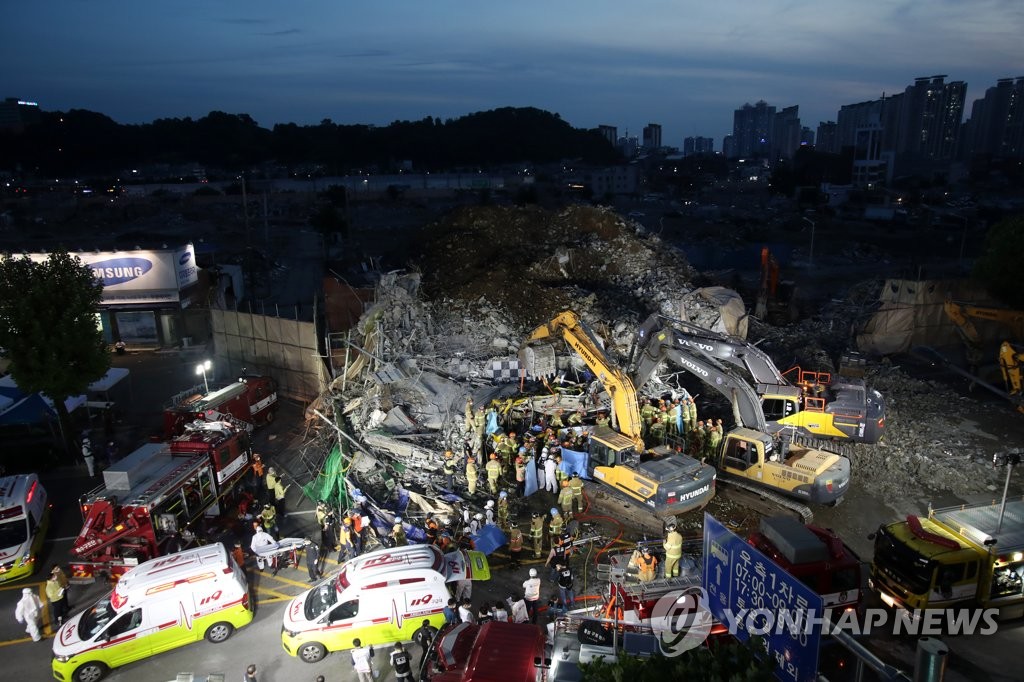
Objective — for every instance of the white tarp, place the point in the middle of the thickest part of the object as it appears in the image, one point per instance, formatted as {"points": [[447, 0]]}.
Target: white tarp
{"points": [[113, 376]]}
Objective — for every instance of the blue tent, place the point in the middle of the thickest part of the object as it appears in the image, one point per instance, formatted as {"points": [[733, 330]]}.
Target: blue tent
{"points": [[574, 461], [24, 409]]}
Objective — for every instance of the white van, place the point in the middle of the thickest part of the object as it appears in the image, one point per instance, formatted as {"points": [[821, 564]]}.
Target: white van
{"points": [[24, 519], [161, 604], [378, 597]]}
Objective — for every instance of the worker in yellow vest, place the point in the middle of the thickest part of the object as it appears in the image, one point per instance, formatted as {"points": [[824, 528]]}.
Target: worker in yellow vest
{"points": [[537, 534], [471, 475], [673, 551], [493, 472], [576, 486], [565, 499]]}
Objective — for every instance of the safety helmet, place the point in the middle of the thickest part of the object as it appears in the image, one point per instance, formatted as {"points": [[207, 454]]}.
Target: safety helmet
{"points": [[267, 506], [519, 459], [494, 455], [522, 449], [544, 451], [398, 520], [490, 504], [271, 470], [554, 511], [533, 572], [647, 550], [255, 457], [348, 521], [575, 474], [565, 484], [535, 515], [478, 516], [670, 526], [511, 434], [449, 453]]}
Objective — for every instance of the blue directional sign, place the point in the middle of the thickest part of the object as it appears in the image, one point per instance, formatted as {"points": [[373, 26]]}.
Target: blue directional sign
{"points": [[752, 595]]}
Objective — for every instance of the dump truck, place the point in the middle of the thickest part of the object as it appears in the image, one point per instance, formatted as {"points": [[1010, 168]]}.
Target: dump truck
{"points": [[971, 555]]}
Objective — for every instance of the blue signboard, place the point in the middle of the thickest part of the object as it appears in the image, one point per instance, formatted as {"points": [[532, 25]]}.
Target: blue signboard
{"points": [[752, 595]]}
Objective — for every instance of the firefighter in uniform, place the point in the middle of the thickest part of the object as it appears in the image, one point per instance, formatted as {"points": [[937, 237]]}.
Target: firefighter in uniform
{"points": [[515, 546], [576, 418], [480, 424], [398, 533], [565, 499], [576, 486], [556, 419], [521, 473], [673, 551], [537, 534], [555, 527], [697, 439], [657, 428], [647, 564], [603, 419], [674, 415], [691, 410], [470, 422], [471, 475], [449, 469], [714, 438], [493, 472], [647, 414], [269, 519], [503, 510]]}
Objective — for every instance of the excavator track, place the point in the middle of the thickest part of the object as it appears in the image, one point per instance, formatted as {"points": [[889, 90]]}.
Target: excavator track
{"points": [[844, 449], [756, 495]]}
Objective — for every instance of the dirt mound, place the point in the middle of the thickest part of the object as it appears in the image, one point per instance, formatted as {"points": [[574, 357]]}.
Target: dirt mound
{"points": [[532, 263]]}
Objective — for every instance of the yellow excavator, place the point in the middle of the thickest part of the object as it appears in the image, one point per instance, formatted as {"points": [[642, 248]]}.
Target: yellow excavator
{"points": [[662, 480], [1010, 355]]}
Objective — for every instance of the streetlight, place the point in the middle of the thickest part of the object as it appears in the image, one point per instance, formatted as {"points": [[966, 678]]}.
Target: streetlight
{"points": [[811, 257], [202, 368]]}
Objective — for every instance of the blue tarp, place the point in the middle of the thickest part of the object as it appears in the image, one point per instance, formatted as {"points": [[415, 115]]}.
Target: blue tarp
{"points": [[574, 461], [489, 539], [492, 422], [31, 409], [531, 478]]}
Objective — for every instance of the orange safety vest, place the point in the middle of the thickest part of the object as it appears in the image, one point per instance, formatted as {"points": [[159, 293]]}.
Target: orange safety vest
{"points": [[515, 542], [257, 466]]}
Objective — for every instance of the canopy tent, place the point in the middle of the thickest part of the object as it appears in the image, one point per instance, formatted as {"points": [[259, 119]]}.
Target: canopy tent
{"points": [[29, 409], [113, 377]]}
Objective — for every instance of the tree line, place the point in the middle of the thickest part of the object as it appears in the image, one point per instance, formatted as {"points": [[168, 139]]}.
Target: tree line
{"points": [[81, 142]]}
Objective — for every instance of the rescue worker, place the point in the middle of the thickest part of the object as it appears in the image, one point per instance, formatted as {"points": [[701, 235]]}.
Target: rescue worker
{"points": [[398, 534], [90, 461], [268, 517], [470, 422], [684, 416], [238, 554], [520, 475], [565, 499], [714, 438], [432, 529], [675, 419], [476, 523], [537, 534], [555, 527], [424, 637], [576, 418], [515, 546], [471, 475], [561, 476], [257, 484], [401, 663], [489, 512], [556, 420], [449, 469], [673, 550], [697, 439], [493, 472], [261, 542], [647, 411], [558, 553], [603, 419], [550, 474], [576, 486], [56, 594], [279, 496], [565, 585], [657, 428], [540, 469], [28, 612], [346, 546], [531, 594], [312, 560], [480, 424], [646, 563], [503, 510], [691, 410]]}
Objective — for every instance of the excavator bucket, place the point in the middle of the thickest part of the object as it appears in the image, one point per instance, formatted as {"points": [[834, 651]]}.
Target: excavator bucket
{"points": [[538, 361]]}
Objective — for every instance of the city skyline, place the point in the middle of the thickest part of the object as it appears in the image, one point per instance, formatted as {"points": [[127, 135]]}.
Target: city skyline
{"points": [[592, 63]]}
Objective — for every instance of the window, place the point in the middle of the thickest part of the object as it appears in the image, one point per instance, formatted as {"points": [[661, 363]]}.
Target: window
{"points": [[845, 579], [345, 610], [774, 408], [737, 454], [125, 623], [947, 576]]}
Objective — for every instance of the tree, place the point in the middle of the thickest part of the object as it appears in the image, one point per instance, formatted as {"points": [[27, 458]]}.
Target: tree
{"points": [[733, 662], [998, 267], [48, 327]]}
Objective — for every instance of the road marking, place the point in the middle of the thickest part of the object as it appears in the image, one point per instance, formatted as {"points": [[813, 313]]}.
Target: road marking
{"points": [[289, 581], [280, 595]]}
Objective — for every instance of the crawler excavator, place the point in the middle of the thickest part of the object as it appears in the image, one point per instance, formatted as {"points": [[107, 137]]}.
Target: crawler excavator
{"points": [[748, 456], [663, 481], [822, 410]]}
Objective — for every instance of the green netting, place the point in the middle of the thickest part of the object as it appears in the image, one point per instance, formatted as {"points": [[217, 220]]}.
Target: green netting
{"points": [[329, 484]]}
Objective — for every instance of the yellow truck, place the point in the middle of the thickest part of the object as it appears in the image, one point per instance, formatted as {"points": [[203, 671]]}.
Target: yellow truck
{"points": [[957, 556]]}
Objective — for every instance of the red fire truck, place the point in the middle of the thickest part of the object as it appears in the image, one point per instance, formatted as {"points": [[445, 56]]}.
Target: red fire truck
{"points": [[252, 400], [160, 496], [817, 556]]}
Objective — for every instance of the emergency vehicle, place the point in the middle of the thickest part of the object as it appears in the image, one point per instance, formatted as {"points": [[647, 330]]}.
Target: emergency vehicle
{"points": [[24, 519], [158, 605], [817, 556], [251, 399], [378, 597], [512, 652], [957, 556], [157, 495]]}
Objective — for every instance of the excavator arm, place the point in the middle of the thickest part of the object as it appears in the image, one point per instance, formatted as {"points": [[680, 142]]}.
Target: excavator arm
{"points": [[666, 345], [1009, 362], [962, 315], [569, 327]]}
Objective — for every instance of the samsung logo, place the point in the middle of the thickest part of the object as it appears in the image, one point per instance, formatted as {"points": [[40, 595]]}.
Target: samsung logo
{"points": [[121, 270], [185, 257]]}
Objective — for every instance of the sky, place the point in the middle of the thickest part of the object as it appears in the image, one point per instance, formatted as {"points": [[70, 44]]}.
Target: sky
{"points": [[684, 64]]}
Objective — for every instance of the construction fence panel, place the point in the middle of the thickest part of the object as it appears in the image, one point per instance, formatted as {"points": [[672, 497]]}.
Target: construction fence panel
{"points": [[285, 350]]}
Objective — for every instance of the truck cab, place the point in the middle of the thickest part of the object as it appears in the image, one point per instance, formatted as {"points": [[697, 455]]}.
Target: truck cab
{"points": [[817, 556], [511, 652]]}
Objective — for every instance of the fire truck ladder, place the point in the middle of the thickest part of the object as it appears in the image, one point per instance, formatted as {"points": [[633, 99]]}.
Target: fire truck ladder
{"points": [[620, 572], [231, 419]]}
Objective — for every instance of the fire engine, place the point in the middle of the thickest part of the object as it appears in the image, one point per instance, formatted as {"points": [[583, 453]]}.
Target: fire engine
{"points": [[251, 400], [158, 495]]}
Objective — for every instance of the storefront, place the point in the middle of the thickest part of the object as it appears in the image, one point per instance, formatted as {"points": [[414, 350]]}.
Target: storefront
{"points": [[148, 295]]}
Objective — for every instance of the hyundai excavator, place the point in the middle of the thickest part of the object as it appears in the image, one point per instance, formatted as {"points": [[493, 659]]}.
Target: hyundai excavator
{"points": [[748, 456], [824, 411], [663, 481]]}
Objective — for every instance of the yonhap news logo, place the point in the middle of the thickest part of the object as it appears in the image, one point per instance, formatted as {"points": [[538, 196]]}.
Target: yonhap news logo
{"points": [[919, 623], [681, 620]]}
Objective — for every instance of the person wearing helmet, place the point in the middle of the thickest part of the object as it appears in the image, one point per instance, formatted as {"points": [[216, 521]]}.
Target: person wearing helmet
{"points": [[346, 542], [576, 486], [493, 472], [537, 534], [489, 511], [268, 518], [646, 563], [471, 474], [503, 510], [448, 468], [531, 594], [673, 550], [565, 499], [474, 525], [520, 476], [555, 527], [515, 546], [551, 475], [398, 538]]}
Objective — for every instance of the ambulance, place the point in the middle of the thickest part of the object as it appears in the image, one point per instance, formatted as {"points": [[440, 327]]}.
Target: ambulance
{"points": [[378, 597], [161, 604], [24, 519]]}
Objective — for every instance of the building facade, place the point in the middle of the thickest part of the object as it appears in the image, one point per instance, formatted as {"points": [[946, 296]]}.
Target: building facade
{"points": [[652, 137], [752, 130]]}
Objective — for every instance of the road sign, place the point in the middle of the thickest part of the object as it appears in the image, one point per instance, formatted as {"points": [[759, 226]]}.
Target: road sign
{"points": [[746, 588]]}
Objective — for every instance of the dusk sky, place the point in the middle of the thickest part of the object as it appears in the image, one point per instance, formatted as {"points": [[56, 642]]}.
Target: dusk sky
{"points": [[684, 64]]}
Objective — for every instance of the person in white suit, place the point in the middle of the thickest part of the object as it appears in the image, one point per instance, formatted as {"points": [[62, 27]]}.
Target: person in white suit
{"points": [[28, 611]]}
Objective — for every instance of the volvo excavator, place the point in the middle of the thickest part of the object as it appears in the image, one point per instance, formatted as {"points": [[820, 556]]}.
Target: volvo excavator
{"points": [[663, 481], [748, 456], [822, 410]]}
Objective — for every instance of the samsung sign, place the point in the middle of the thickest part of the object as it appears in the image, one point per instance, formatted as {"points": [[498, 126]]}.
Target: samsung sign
{"points": [[140, 277]]}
